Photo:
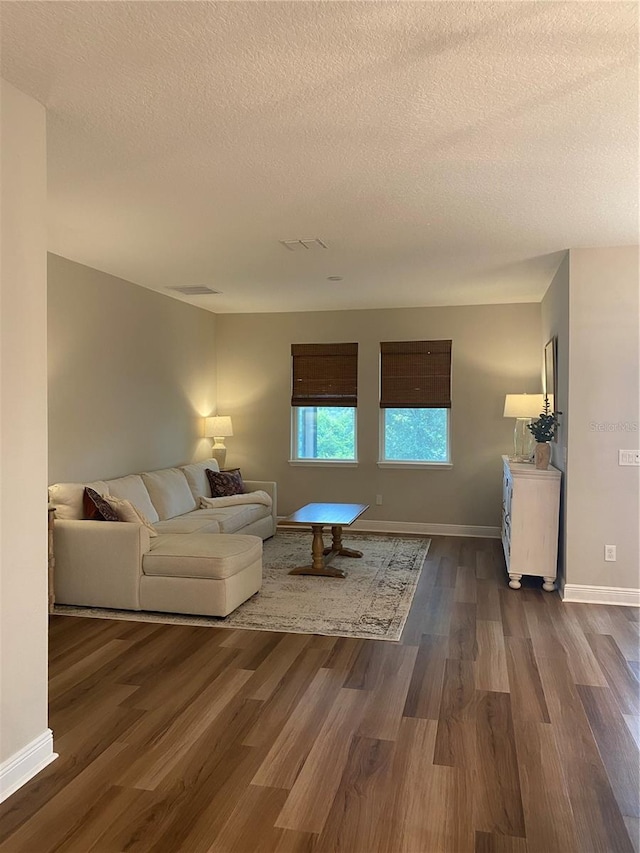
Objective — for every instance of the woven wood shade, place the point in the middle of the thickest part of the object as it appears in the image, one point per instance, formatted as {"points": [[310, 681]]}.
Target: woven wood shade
{"points": [[415, 375], [325, 375]]}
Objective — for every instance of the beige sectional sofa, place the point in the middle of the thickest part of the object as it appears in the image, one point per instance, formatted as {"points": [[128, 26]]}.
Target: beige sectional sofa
{"points": [[201, 561]]}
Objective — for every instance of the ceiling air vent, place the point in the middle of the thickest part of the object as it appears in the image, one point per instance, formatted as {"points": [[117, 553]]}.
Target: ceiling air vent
{"points": [[194, 290], [300, 245]]}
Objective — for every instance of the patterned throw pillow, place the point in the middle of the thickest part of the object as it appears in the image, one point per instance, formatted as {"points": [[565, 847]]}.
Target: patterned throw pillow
{"points": [[96, 508], [225, 483]]}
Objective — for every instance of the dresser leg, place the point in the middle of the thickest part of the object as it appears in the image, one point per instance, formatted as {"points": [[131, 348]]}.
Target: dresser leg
{"points": [[549, 584], [514, 581]]}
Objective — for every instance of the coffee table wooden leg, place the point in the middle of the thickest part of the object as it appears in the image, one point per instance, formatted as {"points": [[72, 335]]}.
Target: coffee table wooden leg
{"points": [[318, 565], [317, 548], [338, 548]]}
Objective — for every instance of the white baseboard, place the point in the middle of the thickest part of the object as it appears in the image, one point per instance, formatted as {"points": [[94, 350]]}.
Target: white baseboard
{"points": [[419, 528], [601, 594], [23, 765]]}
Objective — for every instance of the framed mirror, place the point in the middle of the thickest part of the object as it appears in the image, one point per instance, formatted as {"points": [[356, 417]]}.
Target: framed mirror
{"points": [[550, 381]]}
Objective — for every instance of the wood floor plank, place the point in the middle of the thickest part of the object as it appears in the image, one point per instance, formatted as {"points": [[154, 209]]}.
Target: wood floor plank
{"points": [[155, 765], [633, 724], [598, 821], [488, 601], [487, 842], [490, 666], [311, 796], [547, 810], [425, 690], [527, 695], [435, 618], [283, 701], [386, 700], [619, 677], [463, 643], [582, 662], [358, 821], [497, 797], [289, 751], [514, 620], [618, 749], [272, 670], [250, 826], [465, 589], [431, 805], [456, 729], [633, 828]]}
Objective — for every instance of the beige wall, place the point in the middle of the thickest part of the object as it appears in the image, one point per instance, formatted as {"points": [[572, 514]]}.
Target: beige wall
{"points": [[23, 428], [555, 324], [496, 350], [602, 498], [131, 374]]}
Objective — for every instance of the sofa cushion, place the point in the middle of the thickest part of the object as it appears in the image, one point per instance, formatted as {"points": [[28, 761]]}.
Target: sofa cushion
{"points": [[191, 523], [196, 475], [169, 492], [97, 508], [126, 511], [225, 483], [67, 497], [201, 556], [132, 488], [233, 518]]}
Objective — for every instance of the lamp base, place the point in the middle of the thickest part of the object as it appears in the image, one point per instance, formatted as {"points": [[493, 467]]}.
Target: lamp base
{"points": [[219, 452], [523, 442]]}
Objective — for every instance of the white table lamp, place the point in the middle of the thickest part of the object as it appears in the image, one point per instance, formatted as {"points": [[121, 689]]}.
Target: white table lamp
{"points": [[218, 428], [523, 407]]}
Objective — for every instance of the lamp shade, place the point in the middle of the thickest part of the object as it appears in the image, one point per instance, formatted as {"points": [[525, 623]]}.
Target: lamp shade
{"points": [[218, 426], [523, 405]]}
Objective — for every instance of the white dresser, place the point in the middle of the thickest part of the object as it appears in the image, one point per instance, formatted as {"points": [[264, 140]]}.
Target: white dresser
{"points": [[530, 515]]}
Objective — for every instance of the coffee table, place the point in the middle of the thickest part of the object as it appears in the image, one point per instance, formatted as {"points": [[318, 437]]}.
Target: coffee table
{"points": [[318, 516]]}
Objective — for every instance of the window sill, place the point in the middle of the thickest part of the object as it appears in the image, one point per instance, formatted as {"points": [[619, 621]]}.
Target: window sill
{"points": [[436, 465], [324, 463]]}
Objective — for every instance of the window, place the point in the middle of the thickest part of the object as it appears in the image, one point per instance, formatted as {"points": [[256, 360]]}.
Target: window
{"points": [[415, 400], [323, 400]]}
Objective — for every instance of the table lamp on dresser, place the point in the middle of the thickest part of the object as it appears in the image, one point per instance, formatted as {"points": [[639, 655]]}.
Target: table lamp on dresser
{"points": [[522, 407]]}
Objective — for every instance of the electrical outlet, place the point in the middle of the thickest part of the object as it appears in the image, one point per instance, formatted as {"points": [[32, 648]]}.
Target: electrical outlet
{"points": [[629, 457], [378, 500], [610, 553]]}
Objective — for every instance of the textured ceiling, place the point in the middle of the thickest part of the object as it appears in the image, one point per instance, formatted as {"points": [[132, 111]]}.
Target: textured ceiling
{"points": [[445, 152]]}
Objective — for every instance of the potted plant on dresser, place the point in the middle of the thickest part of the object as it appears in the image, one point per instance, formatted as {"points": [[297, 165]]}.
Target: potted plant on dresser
{"points": [[544, 430]]}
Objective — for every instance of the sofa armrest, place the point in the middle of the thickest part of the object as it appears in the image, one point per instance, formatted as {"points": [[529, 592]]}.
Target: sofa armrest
{"points": [[271, 489], [99, 563]]}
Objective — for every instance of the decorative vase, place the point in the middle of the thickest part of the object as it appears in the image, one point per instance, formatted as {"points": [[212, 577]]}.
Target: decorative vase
{"points": [[542, 455]]}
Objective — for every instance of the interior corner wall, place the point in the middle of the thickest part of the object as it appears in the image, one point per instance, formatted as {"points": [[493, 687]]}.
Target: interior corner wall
{"points": [[132, 373], [555, 324], [603, 498], [25, 741], [496, 350]]}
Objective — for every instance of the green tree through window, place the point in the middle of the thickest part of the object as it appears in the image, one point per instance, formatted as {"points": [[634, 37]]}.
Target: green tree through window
{"points": [[416, 435]]}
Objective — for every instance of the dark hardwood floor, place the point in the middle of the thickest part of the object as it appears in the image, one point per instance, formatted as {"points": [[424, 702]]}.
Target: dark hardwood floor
{"points": [[504, 722]]}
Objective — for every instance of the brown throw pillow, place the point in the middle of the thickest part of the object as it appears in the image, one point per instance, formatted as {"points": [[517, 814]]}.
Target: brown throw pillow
{"points": [[225, 483], [96, 508]]}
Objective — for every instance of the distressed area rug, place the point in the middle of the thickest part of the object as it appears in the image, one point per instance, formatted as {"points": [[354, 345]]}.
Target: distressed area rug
{"points": [[372, 602]]}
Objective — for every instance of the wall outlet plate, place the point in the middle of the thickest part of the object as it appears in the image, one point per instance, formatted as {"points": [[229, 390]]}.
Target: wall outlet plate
{"points": [[610, 553]]}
